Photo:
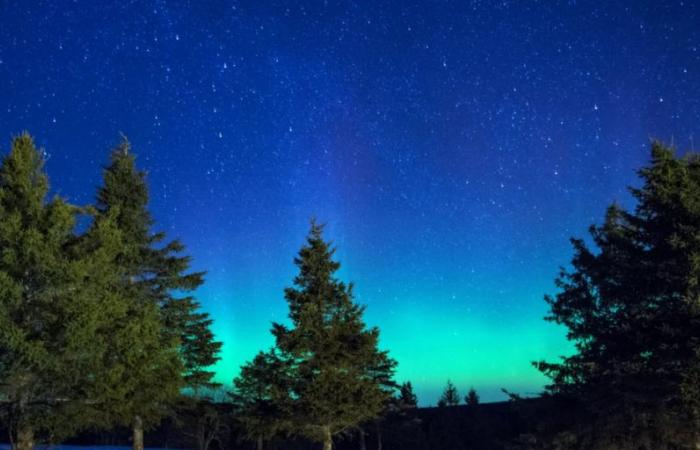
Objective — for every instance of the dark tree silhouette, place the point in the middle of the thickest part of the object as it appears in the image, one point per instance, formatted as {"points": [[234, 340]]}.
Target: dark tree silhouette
{"points": [[472, 398], [407, 398], [632, 308], [450, 396]]}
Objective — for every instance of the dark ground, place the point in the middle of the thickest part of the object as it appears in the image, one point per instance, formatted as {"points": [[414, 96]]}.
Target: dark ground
{"points": [[486, 426]]}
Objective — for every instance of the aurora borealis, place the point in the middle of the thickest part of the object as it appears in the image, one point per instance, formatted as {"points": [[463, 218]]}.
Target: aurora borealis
{"points": [[451, 147]]}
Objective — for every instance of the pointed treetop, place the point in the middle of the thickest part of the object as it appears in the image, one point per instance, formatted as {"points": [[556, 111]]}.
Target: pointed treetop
{"points": [[407, 398], [24, 164], [124, 146], [472, 398], [450, 396]]}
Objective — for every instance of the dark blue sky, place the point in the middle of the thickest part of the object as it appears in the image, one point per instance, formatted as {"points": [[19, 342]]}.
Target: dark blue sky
{"points": [[452, 147]]}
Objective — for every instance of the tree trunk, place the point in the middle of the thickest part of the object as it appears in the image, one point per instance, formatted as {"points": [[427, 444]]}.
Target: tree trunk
{"points": [[363, 444], [327, 438], [259, 443], [25, 438], [201, 441], [379, 438], [137, 443]]}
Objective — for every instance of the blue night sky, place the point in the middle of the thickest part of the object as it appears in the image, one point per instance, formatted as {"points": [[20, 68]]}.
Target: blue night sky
{"points": [[451, 147]]}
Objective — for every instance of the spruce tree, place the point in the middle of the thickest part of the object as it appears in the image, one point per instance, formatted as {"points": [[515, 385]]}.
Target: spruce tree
{"points": [[156, 272], [472, 398], [632, 309], [450, 396], [407, 398], [56, 306], [140, 369], [338, 378]]}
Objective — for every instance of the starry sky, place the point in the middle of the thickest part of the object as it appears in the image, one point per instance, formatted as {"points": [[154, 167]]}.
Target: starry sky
{"points": [[452, 148]]}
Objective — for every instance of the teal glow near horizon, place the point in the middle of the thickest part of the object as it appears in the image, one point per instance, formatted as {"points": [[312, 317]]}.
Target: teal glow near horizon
{"points": [[448, 325]]}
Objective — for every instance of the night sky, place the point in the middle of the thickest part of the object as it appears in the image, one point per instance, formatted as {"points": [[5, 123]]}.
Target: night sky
{"points": [[451, 147]]}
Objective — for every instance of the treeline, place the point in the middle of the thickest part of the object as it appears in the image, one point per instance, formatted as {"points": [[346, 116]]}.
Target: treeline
{"points": [[630, 302], [485, 426], [98, 332], [450, 396]]}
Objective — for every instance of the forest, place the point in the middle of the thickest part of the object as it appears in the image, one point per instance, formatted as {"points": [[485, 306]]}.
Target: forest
{"points": [[102, 340]]}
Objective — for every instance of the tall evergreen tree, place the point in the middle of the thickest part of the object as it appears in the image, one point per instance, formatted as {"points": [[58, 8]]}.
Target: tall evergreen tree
{"points": [[407, 398], [338, 378], [450, 396], [156, 272], [141, 369], [56, 308], [632, 308]]}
